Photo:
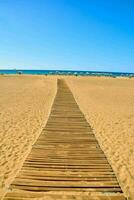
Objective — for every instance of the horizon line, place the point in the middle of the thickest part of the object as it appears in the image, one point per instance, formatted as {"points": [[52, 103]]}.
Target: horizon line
{"points": [[67, 70]]}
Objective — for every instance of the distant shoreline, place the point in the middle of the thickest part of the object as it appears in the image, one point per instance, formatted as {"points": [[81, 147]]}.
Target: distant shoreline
{"points": [[67, 72]]}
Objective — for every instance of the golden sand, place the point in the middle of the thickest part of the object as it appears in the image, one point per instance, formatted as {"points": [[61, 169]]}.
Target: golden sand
{"points": [[25, 103], [108, 105]]}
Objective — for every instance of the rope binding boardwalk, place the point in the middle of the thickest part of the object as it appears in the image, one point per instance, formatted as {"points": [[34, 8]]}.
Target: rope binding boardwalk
{"points": [[66, 161]]}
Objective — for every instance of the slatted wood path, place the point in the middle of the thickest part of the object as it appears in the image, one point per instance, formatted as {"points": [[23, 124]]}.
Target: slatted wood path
{"points": [[66, 162]]}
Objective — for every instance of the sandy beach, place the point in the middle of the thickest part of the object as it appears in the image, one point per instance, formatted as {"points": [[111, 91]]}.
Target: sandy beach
{"points": [[25, 103], [107, 103]]}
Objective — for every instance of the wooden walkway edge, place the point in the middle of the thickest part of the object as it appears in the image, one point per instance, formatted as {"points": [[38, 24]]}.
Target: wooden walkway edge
{"points": [[66, 161]]}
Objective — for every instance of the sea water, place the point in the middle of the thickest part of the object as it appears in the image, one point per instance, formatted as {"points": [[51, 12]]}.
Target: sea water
{"points": [[67, 72]]}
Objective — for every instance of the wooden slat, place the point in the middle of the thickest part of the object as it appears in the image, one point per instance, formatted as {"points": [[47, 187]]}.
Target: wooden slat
{"points": [[57, 196], [66, 159]]}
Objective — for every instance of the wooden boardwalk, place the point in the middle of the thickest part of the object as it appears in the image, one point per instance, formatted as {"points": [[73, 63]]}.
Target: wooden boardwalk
{"points": [[66, 162]]}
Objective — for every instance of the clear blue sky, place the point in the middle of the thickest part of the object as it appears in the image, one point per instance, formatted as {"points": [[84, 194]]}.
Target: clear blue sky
{"points": [[67, 34]]}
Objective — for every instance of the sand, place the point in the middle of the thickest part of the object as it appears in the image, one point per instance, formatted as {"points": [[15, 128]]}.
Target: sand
{"points": [[25, 103], [108, 105]]}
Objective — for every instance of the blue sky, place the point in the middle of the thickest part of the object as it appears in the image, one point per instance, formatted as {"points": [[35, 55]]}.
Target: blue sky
{"points": [[67, 34]]}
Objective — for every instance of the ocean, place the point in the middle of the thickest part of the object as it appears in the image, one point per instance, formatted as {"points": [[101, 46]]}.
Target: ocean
{"points": [[67, 72]]}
